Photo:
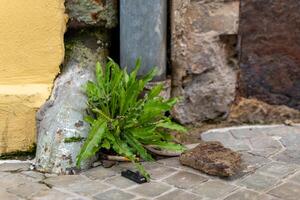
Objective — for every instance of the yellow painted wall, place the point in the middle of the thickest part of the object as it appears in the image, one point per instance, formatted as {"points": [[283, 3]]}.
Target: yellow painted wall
{"points": [[31, 50]]}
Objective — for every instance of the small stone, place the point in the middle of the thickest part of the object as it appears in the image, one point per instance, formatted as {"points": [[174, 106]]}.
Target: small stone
{"points": [[108, 163], [212, 158], [96, 164]]}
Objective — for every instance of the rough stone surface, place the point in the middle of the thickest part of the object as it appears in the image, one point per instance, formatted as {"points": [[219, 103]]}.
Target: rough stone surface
{"points": [[62, 115], [203, 58], [212, 158], [143, 33], [262, 178], [269, 67], [253, 111], [85, 13]]}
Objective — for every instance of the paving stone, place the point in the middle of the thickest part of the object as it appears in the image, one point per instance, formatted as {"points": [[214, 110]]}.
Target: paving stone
{"points": [[170, 162], [278, 169], [267, 197], [228, 140], [243, 195], [280, 130], [114, 194], [11, 180], [151, 189], [141, 199], [120, 182], [27, 190], [178, 195], [258, 182], [246, 133], [64, 180], [286, 191], [53, 195], [100, 173], [4, 195], [264, 142], [87, 188], [267, 152], [185, 180], [34, 175], [213, 189], [254, 161], [3, 174], [296, 178], [13, 167], [289, 156], [210, 135], [160, 172], [289, 141]]}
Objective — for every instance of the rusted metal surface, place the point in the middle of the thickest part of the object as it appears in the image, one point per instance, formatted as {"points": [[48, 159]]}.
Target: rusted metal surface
{"points": [[270, 51]]}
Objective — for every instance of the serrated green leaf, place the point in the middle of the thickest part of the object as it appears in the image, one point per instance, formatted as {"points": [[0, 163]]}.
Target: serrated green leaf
{"points": [[92, 144], [171, 125]]}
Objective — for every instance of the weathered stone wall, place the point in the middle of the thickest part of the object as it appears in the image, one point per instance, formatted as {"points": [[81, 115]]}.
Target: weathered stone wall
{"points": [[91, 13], [87, 41], [61, 117], [270, 51], [208, 35], [204, 67]]}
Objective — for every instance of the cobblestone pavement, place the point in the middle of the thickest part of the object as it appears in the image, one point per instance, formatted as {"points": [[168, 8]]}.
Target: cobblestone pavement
{"points": [[271, 158]]}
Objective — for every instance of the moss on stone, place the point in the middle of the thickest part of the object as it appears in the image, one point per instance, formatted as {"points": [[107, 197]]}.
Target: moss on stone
{"points": [[87, 46], [73, 139]]}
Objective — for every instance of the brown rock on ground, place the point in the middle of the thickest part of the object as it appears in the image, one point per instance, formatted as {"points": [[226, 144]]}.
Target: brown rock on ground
{"points": [[212, 158], [254, 111]]}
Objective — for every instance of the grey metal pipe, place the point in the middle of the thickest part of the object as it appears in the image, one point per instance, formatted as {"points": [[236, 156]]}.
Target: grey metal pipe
{"points": [[143, 33]]}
